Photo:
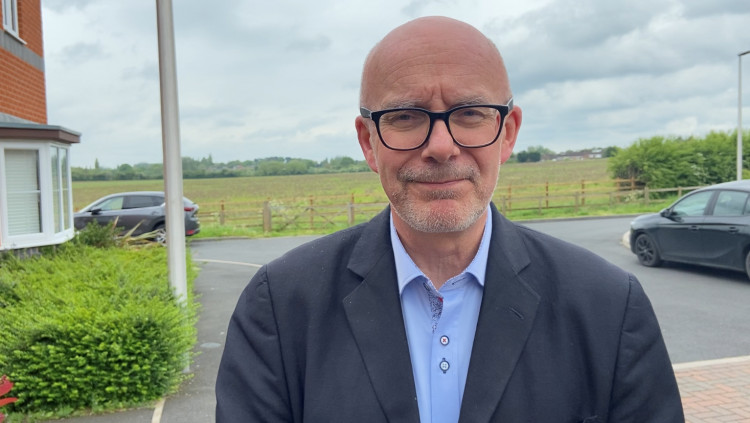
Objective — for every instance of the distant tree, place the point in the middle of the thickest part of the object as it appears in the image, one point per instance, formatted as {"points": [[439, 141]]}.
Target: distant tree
{"points": [[610, 151], [541, 150], [125, 172], [270, 168]]}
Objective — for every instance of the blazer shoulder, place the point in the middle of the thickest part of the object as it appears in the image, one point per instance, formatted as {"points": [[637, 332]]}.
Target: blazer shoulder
{"points": [[568, 264]]}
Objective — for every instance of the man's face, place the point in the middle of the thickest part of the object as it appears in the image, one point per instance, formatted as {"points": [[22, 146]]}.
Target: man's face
{"points": [[440, 187]]}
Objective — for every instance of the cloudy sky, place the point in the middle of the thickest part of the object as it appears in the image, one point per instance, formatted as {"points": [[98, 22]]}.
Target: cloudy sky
{"points": [[281, 78]]}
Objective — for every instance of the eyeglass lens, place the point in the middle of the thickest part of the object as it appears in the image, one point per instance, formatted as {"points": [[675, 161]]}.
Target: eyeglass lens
{"points": [[409, 128]]}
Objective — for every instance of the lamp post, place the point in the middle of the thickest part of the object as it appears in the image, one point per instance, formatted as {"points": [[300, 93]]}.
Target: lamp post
{"points": [[739, 115]]}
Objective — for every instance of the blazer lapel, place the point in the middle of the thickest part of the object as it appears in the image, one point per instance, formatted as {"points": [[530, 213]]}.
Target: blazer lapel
{"points": [[506, 318], [373, 310]]}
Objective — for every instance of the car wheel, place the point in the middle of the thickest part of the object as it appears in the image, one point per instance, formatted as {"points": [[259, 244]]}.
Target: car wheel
{"points": [[160, 234], [747, 264], [645, 249]]}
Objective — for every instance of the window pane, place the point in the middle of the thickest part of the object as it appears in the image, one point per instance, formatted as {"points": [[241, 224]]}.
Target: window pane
{"points": [[10, 16], [693, 205], [65, 187], [114, 203], [730, 203], [24, 196], [56, 188], [6, 13]]}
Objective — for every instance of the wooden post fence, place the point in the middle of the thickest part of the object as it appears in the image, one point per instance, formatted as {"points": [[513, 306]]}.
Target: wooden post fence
{"points": [[266, 216]]}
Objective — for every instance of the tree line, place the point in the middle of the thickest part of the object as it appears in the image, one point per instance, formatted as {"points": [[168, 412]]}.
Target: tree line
{"points": [[207, 168], [659, 162]]}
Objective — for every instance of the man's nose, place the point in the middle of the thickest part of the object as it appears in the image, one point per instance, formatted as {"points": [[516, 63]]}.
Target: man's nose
{"points": [[440, 146]]}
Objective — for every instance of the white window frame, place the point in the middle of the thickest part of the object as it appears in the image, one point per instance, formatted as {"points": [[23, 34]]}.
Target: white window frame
{"points": [[47, 236], [10, 16], [64, 199]]}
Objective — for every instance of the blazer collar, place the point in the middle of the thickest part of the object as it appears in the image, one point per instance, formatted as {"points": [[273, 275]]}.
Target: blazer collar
{"points": [[373, 310], [506, 318]]}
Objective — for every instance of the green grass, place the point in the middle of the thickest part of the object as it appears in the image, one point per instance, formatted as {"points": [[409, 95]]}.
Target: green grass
{"points": [[317, 204]]}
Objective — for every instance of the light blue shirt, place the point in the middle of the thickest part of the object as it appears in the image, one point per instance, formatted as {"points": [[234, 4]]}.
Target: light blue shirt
{"points": [[440, 327]]}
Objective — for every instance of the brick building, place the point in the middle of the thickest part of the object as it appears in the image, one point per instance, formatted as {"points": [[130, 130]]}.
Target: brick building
{"points": [[36, 202]]}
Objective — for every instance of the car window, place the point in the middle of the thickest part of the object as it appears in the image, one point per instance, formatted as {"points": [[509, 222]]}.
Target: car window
{"points": [[114, 203], [693, 205], [139, 201], [731, 203]]}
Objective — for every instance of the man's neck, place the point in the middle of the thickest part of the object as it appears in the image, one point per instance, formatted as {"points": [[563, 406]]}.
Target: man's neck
{"points": [[441, 256]]}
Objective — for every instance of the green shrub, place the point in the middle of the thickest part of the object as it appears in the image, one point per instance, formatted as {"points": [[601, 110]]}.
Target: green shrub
{"points": [[89, 328], [661, 162], [96, 235]]}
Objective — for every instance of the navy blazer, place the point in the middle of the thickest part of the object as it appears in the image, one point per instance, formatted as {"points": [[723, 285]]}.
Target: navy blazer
{"points": [[563, 336]]}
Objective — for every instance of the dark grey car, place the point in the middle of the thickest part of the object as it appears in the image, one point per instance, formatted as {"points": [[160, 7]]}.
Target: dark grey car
{"points": [[709, 227], [144, 209]]}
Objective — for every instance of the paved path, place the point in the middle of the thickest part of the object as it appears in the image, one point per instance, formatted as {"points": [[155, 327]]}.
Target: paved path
{"points": [[715, 391]]}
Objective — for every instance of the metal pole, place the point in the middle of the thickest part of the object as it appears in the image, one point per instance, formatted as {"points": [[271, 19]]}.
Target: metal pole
{"points": [[739, 115], [170, 123]]}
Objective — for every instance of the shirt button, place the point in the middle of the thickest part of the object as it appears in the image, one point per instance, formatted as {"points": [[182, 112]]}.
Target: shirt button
{"points": [[444, 365], [444, 340]]}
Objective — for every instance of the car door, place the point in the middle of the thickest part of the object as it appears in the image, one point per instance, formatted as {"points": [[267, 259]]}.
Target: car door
{"points": [[679, 235], [725, 230], [140, 210]]}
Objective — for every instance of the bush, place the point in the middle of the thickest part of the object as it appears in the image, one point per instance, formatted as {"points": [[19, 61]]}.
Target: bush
{"points": [[92, 328], [661, 162]]}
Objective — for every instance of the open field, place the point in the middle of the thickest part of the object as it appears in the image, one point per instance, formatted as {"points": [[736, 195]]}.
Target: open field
{"points": [[364, 186], [301, 204]]}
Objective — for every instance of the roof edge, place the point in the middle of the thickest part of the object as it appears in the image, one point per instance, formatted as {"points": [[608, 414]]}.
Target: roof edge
{"points": [[35, 131]]}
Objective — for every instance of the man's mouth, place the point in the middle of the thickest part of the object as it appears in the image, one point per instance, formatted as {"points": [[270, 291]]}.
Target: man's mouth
{"points": [[442, 176]]}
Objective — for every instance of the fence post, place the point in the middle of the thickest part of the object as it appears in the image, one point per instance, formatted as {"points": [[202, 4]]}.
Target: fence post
{"points": [[583, 192], [221, 213], [312, 213], [510, 196], [679, 192], [351, 210], [646, 195], [546, 194], [266, 216]]}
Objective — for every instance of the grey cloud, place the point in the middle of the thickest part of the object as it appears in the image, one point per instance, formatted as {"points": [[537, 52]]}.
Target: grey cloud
{"points": [[415, 7], [79, 53], [63, 5], [695, 8], [149, 72], [319, 43]]}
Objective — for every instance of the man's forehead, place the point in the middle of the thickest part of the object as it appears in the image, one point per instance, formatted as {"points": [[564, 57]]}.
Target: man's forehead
{"points": [[402, 101]]}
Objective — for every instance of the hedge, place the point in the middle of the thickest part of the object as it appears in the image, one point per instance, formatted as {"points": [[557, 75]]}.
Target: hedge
{"points": [[92, 328]]}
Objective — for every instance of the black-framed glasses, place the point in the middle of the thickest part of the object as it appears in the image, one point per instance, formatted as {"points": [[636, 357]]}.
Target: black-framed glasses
{"points": [[409, 128]]}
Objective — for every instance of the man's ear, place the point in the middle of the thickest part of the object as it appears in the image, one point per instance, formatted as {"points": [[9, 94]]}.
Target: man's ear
{"points": [[364, 135], [512, 126]]}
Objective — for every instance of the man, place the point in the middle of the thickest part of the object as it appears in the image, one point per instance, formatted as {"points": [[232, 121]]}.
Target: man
{"points": [[440, 309]]}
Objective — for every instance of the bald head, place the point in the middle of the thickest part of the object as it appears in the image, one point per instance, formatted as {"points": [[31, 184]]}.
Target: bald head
{"points": [[430, 47]]}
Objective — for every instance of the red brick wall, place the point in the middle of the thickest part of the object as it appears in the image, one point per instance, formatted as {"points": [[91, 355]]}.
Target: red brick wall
{"points": [[22, 86], [30, 24]]}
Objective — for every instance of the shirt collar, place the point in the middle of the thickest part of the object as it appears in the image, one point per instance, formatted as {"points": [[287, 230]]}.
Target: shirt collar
{"points": [[407, 271]]}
